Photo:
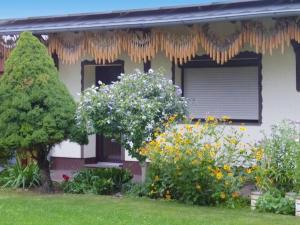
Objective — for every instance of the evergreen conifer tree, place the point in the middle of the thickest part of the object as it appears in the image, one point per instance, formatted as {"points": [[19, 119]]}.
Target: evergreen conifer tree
{"points": [[36, 109]]}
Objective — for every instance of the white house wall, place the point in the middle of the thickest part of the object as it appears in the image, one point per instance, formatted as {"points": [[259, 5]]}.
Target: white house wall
{"points": [[279, 96], [89, 150], [70, 76]]}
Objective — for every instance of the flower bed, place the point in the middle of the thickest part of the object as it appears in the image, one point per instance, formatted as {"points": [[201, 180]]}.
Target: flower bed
{"points": [[96, 181]]}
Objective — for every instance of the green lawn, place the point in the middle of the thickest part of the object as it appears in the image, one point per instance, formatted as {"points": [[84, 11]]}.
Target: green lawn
{"points": [[34, 209]]}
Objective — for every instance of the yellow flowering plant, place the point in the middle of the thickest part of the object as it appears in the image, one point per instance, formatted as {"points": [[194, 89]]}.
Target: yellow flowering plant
{"points": [[201, 163]]}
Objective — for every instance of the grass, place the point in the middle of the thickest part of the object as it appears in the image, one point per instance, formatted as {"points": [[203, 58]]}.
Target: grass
{"points": [[19, 208]]}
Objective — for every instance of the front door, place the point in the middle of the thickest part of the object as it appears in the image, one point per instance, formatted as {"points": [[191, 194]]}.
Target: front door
{"points": [[107, 150]]}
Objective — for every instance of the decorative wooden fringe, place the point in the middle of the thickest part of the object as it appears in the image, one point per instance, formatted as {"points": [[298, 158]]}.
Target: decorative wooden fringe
{"points": [[7, 43], [142, 46], [69, 47]]}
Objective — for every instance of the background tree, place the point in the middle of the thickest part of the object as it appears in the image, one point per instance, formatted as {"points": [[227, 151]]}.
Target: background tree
{"points": [[131, 109], [36, 111]]}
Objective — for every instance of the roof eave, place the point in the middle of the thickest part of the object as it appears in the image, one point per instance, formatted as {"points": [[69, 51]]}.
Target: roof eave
{"points": [[158, 22]]}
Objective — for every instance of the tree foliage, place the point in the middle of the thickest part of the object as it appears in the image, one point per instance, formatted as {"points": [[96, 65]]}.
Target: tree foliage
{"points": [[131, 109], [36, 110]]}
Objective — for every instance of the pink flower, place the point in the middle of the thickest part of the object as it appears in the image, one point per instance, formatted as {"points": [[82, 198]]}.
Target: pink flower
{"points": [[66, 177]]}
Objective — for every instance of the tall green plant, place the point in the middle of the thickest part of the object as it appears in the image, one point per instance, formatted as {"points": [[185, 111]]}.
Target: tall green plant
{"points": [[36, 110], [278, 168], [20, 176], [297, 173]]}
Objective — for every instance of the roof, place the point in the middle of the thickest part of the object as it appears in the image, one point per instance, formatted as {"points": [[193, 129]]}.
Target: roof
{"points": [[144, 18]]}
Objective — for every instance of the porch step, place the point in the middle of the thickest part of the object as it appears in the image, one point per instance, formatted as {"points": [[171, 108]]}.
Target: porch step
{"points": [[104, 165]]}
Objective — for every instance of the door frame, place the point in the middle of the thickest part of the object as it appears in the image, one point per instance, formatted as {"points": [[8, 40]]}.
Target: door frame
{"points": [[99, 138]]}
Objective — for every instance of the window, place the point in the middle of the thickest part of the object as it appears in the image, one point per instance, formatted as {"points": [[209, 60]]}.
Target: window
{"points": [[296, 47], [233, 89]]}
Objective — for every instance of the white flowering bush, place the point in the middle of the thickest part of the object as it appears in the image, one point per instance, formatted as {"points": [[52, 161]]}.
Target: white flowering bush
{"points": [[131, 109]]}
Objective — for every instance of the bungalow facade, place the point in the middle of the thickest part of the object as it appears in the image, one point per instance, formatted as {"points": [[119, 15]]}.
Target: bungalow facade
{"points": [[235, 58]]}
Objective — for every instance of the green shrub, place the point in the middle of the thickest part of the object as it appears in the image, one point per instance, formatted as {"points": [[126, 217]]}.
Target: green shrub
{"points": [[97, 181], [274, 202], [18, 176], [136, 189], [200, 163], [278, 169]]}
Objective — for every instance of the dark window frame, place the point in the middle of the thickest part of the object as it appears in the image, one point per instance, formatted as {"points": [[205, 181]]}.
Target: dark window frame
{"points": [[296, 47], [55, 60], [242, 59], [93, 62], [147, 66]]}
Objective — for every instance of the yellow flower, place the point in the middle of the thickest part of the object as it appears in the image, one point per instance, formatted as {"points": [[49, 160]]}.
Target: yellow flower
{"points": [[144, 151], [226, 167], [222, 195], [156, 178], [225, 118], [259, 154], [248, 170], [189, 152], [243, 129], [172, 118], [219, 175], [200, 154], [233, 141], [210, 119], [189, 128]]}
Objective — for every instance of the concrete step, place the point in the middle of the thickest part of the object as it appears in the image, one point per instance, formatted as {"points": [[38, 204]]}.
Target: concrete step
{"points": [[104, 165]]}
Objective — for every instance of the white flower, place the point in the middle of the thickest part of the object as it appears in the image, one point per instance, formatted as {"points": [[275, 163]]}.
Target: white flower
{"points": [[130, 143], [149, 126]]}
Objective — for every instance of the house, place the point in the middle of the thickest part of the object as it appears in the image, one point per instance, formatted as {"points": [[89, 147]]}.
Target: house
{"points": [[235, 58]]}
